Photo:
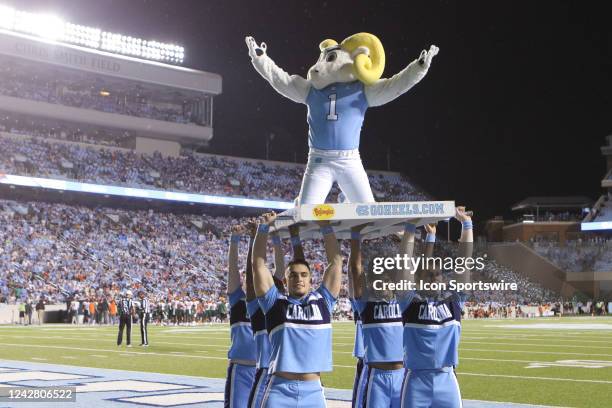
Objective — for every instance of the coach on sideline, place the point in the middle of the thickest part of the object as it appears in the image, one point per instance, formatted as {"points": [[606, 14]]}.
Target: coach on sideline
{"points": [[299, 325]]}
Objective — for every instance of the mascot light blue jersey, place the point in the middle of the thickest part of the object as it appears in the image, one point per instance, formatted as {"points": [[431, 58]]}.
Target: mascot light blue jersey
{"points": [[338, 89], [329, 130]]}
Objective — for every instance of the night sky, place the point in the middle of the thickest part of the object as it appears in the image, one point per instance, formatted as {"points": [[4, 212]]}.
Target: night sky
{"points": [[517, 103]]}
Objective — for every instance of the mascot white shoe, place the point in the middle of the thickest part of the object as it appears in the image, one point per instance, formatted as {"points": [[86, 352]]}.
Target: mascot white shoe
{"points": [[339, 88]]}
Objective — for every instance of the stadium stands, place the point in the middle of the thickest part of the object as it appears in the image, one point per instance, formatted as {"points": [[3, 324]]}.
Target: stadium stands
{"points": [[16, 124], [79, 249], [64, 252], [578, 256], [24, 80], [192, 172]]}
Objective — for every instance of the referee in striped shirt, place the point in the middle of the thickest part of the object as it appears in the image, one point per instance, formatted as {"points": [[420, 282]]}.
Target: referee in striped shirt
{"points": [[144, 314], [126, 311]]}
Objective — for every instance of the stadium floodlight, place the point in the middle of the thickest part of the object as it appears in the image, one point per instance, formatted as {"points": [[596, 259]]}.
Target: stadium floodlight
{"points": [[53, 28], [42, 25], [138, 47], [7, 17]]}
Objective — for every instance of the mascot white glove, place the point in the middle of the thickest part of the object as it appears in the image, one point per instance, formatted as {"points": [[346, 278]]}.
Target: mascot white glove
{"points": [[254, 49], [426, 56]]}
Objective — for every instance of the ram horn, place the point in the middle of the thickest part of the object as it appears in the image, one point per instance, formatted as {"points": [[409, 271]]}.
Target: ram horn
{"points": [[368, 66], [327, 43]]}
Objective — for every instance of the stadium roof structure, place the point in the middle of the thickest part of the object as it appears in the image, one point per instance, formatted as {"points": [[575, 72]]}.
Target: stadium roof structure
{"points": [[115, 74], [94, 61], [553, 203]]}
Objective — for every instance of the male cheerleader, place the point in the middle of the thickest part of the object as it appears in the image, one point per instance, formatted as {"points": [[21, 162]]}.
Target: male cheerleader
{"points": [[358, 349], [256, 314], [299, 325], [380, 383], [432, 328], [242, 352]]}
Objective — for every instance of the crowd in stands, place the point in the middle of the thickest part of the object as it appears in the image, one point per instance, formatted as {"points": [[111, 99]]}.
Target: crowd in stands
{"points": [[530, 292], [208, 174], [588, 255], [29, 126], [86, 93], [86, 257], [56, 251], [66, 253]]}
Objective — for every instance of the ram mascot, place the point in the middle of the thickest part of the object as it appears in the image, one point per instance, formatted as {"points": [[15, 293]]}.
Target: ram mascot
{"points": [[339, 88]]}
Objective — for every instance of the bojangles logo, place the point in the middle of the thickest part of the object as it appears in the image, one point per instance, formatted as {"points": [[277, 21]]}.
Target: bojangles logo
{"points": [[323, 212]]}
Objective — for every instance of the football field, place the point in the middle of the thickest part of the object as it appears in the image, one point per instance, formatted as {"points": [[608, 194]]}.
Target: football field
{"points": [[565, 362]]}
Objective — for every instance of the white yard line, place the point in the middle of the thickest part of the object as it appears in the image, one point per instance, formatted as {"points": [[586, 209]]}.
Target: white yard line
{"points": [[531, 337], [512, 361], [533, 352], [132, 353], [539, 332], [93, 339], [536, 344], [522, 377]]}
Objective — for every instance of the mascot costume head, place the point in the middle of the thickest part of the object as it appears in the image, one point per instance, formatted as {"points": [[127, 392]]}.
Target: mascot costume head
{"points": [[359, 57]]}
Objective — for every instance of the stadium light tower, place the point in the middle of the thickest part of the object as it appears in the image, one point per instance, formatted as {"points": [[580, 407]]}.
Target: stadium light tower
{"points": [[51, 27]]}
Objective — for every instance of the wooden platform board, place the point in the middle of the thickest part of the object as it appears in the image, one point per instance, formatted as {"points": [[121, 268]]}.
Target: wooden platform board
{"points": [[384, 218]]}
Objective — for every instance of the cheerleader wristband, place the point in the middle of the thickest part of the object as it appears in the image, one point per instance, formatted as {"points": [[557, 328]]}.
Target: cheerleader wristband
{"points": [[263, 228]]}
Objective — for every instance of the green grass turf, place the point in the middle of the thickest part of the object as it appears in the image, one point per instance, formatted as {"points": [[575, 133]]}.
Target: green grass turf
{"points": [[493, 360]]}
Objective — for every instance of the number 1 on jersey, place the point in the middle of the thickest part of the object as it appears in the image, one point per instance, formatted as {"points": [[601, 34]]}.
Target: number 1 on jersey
{"points": [[332, 108]]}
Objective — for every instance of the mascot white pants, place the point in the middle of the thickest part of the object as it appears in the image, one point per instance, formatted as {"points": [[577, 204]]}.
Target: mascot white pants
{"points": [[341, 166]]}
